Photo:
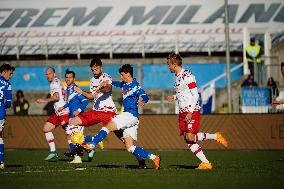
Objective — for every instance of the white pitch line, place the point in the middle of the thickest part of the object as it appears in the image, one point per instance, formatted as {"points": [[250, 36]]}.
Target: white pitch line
{"points": [[37, 171]]}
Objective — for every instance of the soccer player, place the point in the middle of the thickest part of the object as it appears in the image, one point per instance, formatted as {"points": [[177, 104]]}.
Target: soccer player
{"points": [[189, 110], [6, 73], [104, 108], [128, 120], [76, 104], [57, 95]]}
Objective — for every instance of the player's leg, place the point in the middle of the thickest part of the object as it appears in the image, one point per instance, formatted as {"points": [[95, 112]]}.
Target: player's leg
{"points": [[140, 152], [189, 130], [87, 119], [197, 151], [141, 161], [73, 126], [48, 129], [69, 131], [208, 136], [2, 123], [129, 124]]}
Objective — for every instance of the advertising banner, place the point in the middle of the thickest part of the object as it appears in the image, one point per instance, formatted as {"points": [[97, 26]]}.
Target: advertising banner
{"points": [[255, 100], [31, 27]]}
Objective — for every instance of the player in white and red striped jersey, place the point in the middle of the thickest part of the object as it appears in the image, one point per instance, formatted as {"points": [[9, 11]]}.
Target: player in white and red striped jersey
{"points": [[189, 110], [57, 95]]}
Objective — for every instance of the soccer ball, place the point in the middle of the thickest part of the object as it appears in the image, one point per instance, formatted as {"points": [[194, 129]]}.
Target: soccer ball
{"points": [[77, 138]]}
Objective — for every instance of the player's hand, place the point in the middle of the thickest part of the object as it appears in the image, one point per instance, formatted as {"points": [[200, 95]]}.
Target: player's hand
{"points": [[141, 103], [60, 109], [77, 112], [78, 90], [40, 101], [188, 117], [104, 83], [170, 98]]}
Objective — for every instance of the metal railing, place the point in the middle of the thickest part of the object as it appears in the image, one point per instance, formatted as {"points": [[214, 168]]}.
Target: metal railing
{"points": [[141, 44]]}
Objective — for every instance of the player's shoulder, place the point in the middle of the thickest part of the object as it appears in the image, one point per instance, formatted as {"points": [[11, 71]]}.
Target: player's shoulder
{"points": [[136, 84], [187, 73], [55, 82], [4, 82]]}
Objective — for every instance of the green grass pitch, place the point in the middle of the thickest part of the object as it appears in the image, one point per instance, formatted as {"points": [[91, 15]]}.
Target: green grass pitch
{"points": [[118, 169]]}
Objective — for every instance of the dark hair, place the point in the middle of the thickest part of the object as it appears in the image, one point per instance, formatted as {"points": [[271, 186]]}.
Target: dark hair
{"points": [[126, 68], [96, 62], [6, 67], [19, 94], [176, 57], [70, 72], [282, 64]]}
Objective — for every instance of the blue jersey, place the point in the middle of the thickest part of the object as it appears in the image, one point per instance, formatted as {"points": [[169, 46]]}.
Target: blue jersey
{"points": [[131, 93], [75, 101], [5, 96]]}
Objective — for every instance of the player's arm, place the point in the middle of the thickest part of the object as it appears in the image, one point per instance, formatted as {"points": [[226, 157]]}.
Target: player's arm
{"points": [[104, 89], [144, 97], [8, 97], [53, 98], [83, 104], [117, 84], [88, 95]]}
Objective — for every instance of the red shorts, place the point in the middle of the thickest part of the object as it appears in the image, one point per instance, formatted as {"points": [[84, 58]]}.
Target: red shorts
{"points": [[61, 120], [94, 117], [193, 126]]}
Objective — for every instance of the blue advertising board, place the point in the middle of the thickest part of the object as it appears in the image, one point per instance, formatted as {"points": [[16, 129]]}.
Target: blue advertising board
{"points": [[255, 96]]}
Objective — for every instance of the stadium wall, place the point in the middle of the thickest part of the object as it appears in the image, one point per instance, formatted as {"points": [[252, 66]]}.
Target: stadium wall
{"points": [[244, 132]]}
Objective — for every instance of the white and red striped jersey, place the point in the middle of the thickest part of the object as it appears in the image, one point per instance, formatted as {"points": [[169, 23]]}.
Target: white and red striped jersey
{"points": [[186, 92], [102, 101], [57, 87]]}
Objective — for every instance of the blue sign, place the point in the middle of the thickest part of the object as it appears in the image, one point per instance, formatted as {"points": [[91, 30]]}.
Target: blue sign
{"points": [[255, 96]]}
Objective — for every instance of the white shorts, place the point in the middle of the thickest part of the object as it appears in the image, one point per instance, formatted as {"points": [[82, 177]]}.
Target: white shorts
{"points": [[2, 124], [131, 131], [128, 123]]}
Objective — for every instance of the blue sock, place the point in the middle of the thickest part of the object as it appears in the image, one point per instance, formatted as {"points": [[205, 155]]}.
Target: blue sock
{"points": [[71, 147], [1, 150], [140, 152], [88, 138], [100, 136]]}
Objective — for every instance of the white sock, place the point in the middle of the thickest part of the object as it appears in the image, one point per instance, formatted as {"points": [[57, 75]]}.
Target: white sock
{"points": [[50, 139], [197, 150], [205, 136], [77, 157], [152, 156]]}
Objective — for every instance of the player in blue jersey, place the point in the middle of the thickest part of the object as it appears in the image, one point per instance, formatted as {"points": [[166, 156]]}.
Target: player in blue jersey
{"points": [[6, 73], [128, 119], [76, 103]]}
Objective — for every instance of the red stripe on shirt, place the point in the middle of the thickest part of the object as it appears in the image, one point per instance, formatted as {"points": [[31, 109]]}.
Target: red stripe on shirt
{"points": [[191, 85]]}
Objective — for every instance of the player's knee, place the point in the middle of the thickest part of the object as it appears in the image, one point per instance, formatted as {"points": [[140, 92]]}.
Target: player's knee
{"points": [[131, 149], [106, 130], [74, 121], [48, 128]]}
